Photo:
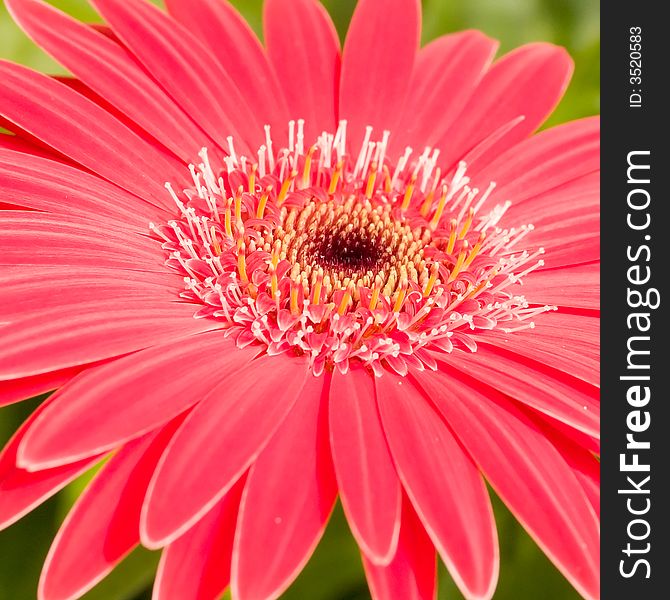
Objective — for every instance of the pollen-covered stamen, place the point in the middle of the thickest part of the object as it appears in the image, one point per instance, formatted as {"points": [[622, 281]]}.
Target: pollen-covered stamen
{"points": [[312, 251], [335, 243]]}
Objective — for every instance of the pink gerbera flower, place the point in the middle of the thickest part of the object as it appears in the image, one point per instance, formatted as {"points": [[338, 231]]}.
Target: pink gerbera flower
{"points": [[260, 278]]}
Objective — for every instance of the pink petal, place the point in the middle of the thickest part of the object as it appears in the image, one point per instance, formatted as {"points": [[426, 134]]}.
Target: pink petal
{"points": [[28, 387], [223, 435], [24, 295], [446, 73], [551, 208], [368, 483], [20, 490], [83, 90], [103, 525], [110, 405], [15, 274], [17, 143], [578, 250], [547, 390], [235, 46], [582, 440], [568, 343], [75, 126], [411, 575], [566, 221], [377, 64], [183, 65], [566, 218], [443, 484], [527, 472], [106, 30], [304, 50], [64, 337], [557, 234], [289, 495], [197, 565], [560, 237], [72, 246], [70, 240], [543, 162], [472, 156], [20, 140], [41, 184], [573, 247], [587, 470], [528, 81], [583, 463], [108, 69]]}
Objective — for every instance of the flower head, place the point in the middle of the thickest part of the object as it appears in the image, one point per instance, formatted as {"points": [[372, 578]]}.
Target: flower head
{"points": [[312, 254], [260, 278]]}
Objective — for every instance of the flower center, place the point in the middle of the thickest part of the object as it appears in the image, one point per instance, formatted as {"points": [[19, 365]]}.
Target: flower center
{"points": [[341, 243], [311, 252], [347, 240]]}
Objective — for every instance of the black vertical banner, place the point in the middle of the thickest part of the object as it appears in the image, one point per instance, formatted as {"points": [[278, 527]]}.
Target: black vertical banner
{"points": [[635, 259]]}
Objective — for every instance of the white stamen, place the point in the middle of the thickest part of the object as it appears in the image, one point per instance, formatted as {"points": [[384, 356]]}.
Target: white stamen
{"points": [[268, 143], [231, 149]]}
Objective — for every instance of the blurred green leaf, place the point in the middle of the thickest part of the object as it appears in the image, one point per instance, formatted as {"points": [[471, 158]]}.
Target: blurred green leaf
{"points": [[24, 545], [130, 580], [525, 572], [335, 570], [23, 548], [573, 24]]}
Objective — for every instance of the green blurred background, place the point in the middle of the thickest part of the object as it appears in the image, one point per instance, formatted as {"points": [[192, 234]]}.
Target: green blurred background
{"points": [[335, 571]]}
